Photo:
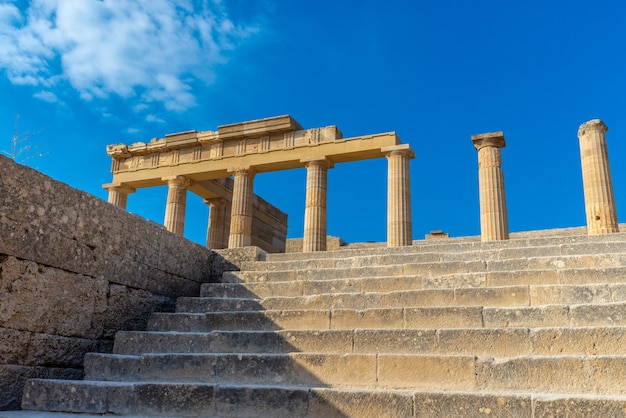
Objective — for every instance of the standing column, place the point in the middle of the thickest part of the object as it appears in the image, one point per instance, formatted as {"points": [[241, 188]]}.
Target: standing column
{"points": [[118, 194], [241, 210], [494, 224], [176, 203], [597, 183], [217, 224], [315, 210], [399, 224]]}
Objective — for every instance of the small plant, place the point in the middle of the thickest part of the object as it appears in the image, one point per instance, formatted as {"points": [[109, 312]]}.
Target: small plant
{"points": [[22, 148]]}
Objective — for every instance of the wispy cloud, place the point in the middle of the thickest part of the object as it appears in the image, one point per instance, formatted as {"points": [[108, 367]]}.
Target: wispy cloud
{"points": [[148, 51]]}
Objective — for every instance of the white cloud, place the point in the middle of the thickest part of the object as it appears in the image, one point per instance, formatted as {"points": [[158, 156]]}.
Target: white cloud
{"points": [[144, 50]]}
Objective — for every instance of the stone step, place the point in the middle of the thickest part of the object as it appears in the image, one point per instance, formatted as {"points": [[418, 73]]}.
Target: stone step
{"points": [[176, 399], [499, 342], [491, 296], [615, 277], [612, 267], [599, 243], [610, 314], [555, 254]]}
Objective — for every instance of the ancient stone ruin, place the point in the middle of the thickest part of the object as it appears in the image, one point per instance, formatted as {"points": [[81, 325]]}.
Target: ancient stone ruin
{"points": [[104, 313]]}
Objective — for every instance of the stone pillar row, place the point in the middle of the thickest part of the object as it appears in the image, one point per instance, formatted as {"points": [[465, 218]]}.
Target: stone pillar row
{"points": [[241, 209], [219, 223], [176, 203], [315, 206], [118, 194]]}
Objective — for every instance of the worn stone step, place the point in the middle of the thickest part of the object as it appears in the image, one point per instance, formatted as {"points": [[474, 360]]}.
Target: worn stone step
{"points": [[571, 244], [557, 374], [471, 296], [254, 401], [601, 254], [498, 296], [500, 342], [397, 318]]}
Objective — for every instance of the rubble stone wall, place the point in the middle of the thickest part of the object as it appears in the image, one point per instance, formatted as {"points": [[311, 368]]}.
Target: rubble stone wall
{"points": [[74, 270]]}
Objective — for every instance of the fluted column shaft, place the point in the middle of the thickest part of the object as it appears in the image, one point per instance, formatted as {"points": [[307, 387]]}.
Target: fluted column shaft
{"points": [[217, 235], [176, 204], [494, 224], [118, 194], [399, 219], [315, 210], [241, 210], [597, 183]]}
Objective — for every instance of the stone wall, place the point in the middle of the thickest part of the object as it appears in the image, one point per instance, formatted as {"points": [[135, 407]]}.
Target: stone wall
{"points": [[74, 270]]}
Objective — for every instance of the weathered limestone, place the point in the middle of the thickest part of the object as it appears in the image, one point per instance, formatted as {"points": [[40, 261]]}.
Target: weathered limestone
{"points": [[118, 194], [315, 212], [176, 204], [494, 223], [241, 210], [399, 224], [217, 233], [597, 182]]}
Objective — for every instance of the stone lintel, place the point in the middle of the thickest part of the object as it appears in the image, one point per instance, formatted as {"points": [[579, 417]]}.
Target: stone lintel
{"points": [[401, 148], [489, 139], [118, 151], [594, 125], [259, 127], [119, 187]]}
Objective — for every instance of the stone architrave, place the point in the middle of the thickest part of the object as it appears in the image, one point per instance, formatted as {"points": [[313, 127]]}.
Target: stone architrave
{"points": [[399, 219], [315, 207], [597, 184], [118, 194], [241, 210], [176, 203], [494, 224], [217, 236]]}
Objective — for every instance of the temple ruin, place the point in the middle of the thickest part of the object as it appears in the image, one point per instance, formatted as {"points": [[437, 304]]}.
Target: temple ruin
{"points": [[204, 162]]}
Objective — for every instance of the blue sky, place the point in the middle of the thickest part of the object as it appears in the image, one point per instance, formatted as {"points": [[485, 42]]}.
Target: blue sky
{"points": [[84, 74]]}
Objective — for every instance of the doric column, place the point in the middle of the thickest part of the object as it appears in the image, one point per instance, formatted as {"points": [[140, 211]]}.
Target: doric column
{"points": [[118, 194], [217, 237], [399, 224], [597, 183], [176, 203], [241, 210], [315, 210], [494, 224]]}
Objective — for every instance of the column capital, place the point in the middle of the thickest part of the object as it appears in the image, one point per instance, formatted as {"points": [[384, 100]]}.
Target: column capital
{"points": [[180, 181], [401, 149], [594, 125], [247, 171], [489, 139], [317, 160], [119, 187]]}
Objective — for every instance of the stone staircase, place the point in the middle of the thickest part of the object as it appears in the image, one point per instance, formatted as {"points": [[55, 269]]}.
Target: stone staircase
{"points": [[532, 327]]}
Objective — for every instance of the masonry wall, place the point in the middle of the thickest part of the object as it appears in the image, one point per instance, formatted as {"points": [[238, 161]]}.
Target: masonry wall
{"points": [[74, 270]]}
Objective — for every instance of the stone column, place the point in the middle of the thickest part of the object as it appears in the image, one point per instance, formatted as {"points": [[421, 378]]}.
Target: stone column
{"points": [[176, 203], [118, 194], [241, 210], [399, 224], [597, 183], [217, 224], [494, 224], [315, 210]]}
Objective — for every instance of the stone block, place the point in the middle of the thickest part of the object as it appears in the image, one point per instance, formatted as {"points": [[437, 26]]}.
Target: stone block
{"points": [[523, 277], [390, 284], [539, 316], [348, 370], [396, 371], [444, 317], [314, 287], [341, 403], [316, 341], [15, 379], [300, 319], [254, 402], [494, 296], [484, 342], [578, 406], [395, 341], [367, 319], [459, 404], [570, 294], [598, 315], [14, 346], [417, 298]]}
